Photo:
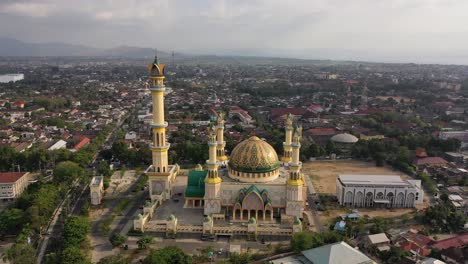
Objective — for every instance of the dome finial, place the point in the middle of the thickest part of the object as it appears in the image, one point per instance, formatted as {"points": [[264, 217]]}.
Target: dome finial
{"points": [[156, 57]]}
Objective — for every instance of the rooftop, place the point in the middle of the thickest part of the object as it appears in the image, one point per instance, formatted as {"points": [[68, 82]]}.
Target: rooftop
{"points": [[10, 177], [361, 179], [378, 238], [336, 253]]}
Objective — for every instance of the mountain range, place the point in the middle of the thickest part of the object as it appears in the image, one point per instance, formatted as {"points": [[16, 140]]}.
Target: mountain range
{"points": [[13, 47]]}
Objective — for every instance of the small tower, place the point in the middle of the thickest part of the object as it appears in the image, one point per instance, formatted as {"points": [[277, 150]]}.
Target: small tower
{"points": [[287, 152], [161, 176], [295, 190], [212, 180], [221, 155]]}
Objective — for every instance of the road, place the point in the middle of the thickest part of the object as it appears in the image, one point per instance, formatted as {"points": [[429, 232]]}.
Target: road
{"points": [[311, 199], [53, 230]]}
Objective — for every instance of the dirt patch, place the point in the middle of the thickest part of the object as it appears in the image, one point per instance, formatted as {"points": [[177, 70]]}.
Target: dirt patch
{"points": [[323, 173]]}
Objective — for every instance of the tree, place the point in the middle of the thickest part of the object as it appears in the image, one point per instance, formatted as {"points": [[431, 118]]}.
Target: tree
{"points": [[21, 253], [73, 255], [103, 168], [117, 239], [301, 241], [66, 172], [167, 255], [114, 260], [75, 230], [11, 221], [444, 197], [236, 258], [145, 242]]}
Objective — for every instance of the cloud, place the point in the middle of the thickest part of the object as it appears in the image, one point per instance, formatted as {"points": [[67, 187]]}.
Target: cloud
{"points": [[390, 28]]}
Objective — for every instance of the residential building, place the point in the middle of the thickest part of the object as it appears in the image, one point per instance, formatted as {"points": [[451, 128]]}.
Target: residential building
{"points": [[12, 184]]}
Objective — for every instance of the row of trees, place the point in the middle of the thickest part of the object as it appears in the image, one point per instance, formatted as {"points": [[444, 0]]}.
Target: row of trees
{"points": [[75, 244]]}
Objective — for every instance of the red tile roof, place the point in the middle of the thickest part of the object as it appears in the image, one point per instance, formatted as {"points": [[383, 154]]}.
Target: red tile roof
{"points": [[279, 112], [458, 241], [10, 177], [83, 142], [411, 246], [431, 161], [421, 153], [321, 131]]}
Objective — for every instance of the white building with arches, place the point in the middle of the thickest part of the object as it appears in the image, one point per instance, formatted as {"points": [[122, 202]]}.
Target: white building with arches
{"points": [[378, 191]]}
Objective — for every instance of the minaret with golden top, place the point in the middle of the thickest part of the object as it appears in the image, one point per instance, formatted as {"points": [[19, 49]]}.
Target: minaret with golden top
{"points": [[160, 174], [287, 147], [221, 155], [212, 179], [295, 190]]}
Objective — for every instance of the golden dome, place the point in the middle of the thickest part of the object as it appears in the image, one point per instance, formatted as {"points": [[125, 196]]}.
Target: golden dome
{"points": [[253, 155]]}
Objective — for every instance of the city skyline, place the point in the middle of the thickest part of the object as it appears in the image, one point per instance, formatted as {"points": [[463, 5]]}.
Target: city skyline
{"points": [[395, 31]]}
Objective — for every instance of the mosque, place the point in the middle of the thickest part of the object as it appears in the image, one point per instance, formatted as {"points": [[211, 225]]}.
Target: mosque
{"points": [[252, 185]]}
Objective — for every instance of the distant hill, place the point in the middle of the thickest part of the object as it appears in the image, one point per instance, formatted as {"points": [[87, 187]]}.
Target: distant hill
{"points": [[13, 47]]}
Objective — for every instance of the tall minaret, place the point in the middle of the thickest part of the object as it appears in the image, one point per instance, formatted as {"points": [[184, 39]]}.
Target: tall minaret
{"points": [[160, 174], [287, 152], [221, 155], [212, 179], [295, 190]]}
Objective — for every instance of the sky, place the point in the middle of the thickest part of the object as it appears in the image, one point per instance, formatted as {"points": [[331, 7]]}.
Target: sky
{"points": [[376, 30]]}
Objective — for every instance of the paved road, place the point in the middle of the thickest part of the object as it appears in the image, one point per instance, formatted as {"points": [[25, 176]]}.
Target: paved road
{"points": [[311, 198]]}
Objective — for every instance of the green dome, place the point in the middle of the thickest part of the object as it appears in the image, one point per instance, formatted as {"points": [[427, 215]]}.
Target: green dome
{"points": [[207, 219], [252, 220], [297, 221], [139, 216], [254, 155], [171, 217]]}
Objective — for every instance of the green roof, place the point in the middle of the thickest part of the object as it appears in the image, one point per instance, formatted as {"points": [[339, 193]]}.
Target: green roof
{"points": [[196, 183], [253, 188]]}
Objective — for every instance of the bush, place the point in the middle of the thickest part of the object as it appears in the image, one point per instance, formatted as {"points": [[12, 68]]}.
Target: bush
{"points": [[145, 242], [117, 240], [167, 255]]}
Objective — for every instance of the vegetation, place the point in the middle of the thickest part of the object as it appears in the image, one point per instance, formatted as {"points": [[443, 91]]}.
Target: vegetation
{"points": [[167, 255], [117, 240], [442, 218], [145, 241], [114, 260], [306, 240]]}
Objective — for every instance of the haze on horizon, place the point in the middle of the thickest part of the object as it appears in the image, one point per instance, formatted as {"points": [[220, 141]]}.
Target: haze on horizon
{"points": [[421, 31]]}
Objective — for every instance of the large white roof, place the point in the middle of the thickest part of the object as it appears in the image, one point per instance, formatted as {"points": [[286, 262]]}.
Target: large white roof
{"points": [[337, 253], [378, 238], [344, 138], [362, 179]]}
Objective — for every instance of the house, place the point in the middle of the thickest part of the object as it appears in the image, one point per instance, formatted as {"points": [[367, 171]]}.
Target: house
{"points": [[420, 153], [58, 144], [12, 184], [430, 261], [415, 243], [459, 241], [18, 104], [336, 253], [431, 161], [380, 241], [82, 141], [315, 108], [241, 114], [278, 115]]}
